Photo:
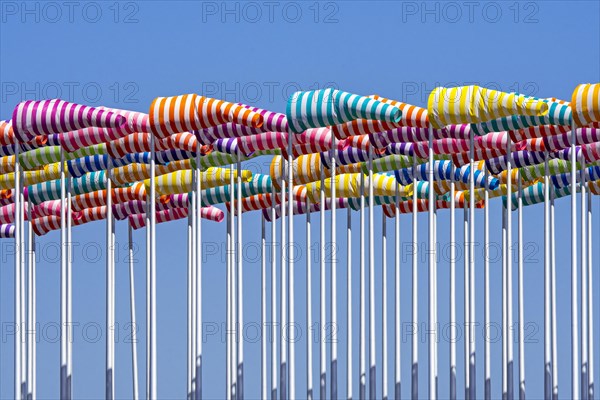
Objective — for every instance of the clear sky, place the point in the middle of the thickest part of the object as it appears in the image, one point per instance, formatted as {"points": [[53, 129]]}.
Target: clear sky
{"points": [[124, 54]]}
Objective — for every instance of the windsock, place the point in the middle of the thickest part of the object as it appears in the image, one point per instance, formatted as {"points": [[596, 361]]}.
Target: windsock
{"points": [[90, 215], [559, 113], [191, 112], [561, 180], [519, 159], [181, 181], [52, 207], [474, 104], [43, 225], [537, 132], [7, 231], [585, 102], [50, 190], [405, 134], [327, 107], [45, 117]]}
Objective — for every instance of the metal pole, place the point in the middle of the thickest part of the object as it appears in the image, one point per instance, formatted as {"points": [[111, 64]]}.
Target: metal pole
{"points": [[110, 294], [240, 284], [505, 254], [553, 300], [547, 287], [349, 300], [153, 349], [31, 306], [233, 292], [509, 297], [574, 317], [486, 289], [415, 287], [432, 274], [333, 281], [362, 356], [65, 391], [190, 296], [372, 338], [273, 297], [521, 299], [472, 336], [18, 277], [69, 326], [134, 366], [467, 301], [290, 265], [198, 271], [590, 299], [584, 286], [229, 341], [309, 343], [263, 309], [322, 294], [384, 322], [397, 320], [452, 299], [284, 286]]}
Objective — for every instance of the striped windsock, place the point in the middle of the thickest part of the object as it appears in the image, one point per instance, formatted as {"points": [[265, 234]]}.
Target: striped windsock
{"points": [[7, 137], [7, 164], [591, 152], [389, 163], [474, 104], [559, 113], [43, 225], [45, 117], [7, 231], [561, 180], [563, 140], [347, 156], [537, 132], [7, 213], [191, 112], [50, 190], [419, 149], [122, 211], [51, 207], [327, 107], [519, 159], [461, 159], [405, 134], [90, 215], [585, 102]]}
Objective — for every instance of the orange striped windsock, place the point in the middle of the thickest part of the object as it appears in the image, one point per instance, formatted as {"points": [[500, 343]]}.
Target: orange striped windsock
{"points": [[89, 215], [190, 112], [585, 103], [473, 104], [43, 225]]}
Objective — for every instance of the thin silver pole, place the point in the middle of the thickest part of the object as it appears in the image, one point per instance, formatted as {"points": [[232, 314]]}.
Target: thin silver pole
{"points": [[590, 299], [322, 292], [509, 297], [372, 338], [233, 293], [240, 284], [362, 356], [574, 317], [309, 342], [384, 322], [134, 366], [472, 336], [273, 297], [229, 319], [505, 255], [432, 274], [65, 390], [148, 289], [198, 270], [190, 299], [467, 302], [397, 320], [521, 299], [263, 309], [192, 200], [349, 300], [415, 296], [31, 316], [18, 277], [110, 294], [291, 273], [486, 289], [70, 288], [153, 348], [547, 287], [333, 281], [452, 299], [284, 289], [584, 286], [553, 300]]}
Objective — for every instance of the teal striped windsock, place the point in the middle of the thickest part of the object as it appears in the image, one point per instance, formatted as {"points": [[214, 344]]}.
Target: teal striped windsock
{"points": [[534, 194], [326, 107], [559, 113], [50, 190], [260, 184]]}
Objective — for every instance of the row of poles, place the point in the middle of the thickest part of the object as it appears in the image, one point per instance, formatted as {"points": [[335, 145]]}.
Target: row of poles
{"points": [[284, 386]]}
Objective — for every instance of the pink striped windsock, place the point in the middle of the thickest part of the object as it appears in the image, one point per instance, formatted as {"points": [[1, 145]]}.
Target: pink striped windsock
{"points": [[45, 117]]}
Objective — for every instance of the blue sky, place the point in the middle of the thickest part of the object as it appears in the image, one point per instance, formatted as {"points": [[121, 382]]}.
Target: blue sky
{"points": [[124, 54]]}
